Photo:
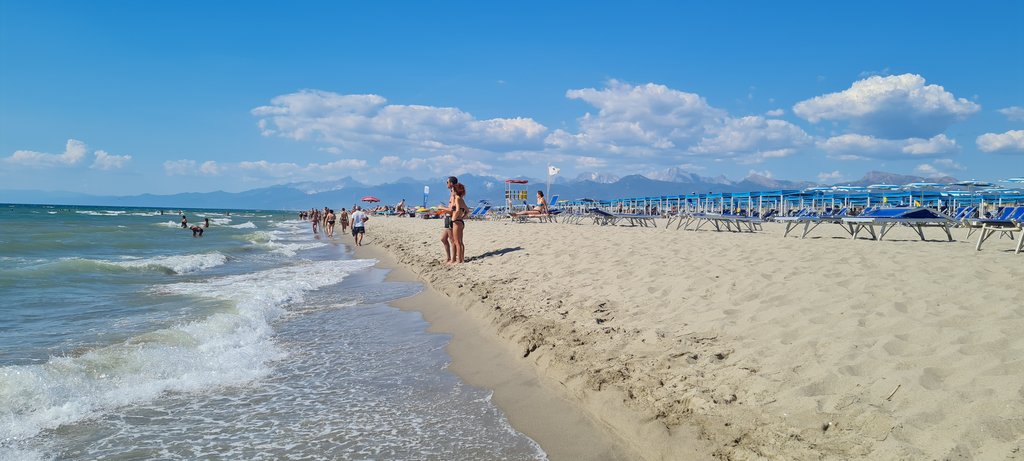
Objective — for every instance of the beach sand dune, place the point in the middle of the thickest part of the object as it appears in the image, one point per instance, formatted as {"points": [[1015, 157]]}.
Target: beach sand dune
{"points": [[762, 346]]}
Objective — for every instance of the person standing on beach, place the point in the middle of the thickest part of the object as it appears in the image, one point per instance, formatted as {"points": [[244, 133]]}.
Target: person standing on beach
{"points": [[459, 212], [446, 233], [314, 217], [206, 222], [359, 225]]}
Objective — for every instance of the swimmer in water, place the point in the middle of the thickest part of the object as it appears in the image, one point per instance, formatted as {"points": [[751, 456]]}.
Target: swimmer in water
{"points": [[197, 231]]}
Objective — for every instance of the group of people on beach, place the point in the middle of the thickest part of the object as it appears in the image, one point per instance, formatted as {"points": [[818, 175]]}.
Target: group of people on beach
{"points": [[197, 231], [327, 219]]}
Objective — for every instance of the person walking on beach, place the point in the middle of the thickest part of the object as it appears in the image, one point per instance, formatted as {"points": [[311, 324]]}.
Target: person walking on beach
{"points": [[315, 219], [329, 219], [459, 212], [359, 225], [343, 216], [446, 233]]}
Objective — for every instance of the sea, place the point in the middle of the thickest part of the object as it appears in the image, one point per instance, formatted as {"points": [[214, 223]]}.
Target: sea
{"points": [[123, 337]]}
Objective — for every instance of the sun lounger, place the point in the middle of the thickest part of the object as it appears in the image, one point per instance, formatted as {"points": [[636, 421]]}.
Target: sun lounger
{"points": [[1013, 222], [811, 222], [888, 218], [480, 212], [722, 222]]}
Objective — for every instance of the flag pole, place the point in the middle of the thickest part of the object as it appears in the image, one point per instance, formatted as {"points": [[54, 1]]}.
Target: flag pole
{"points": [[548, 192]]}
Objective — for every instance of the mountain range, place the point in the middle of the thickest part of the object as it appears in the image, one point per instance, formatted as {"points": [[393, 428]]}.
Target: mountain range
{"points": [[345, 192]]}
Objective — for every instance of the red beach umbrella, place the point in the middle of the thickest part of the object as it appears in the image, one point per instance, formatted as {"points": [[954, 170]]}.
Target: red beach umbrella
{"points": [[371, 199]]}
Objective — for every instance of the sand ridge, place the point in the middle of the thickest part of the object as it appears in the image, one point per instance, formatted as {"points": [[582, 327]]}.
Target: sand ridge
{"points": [[770, 347]]}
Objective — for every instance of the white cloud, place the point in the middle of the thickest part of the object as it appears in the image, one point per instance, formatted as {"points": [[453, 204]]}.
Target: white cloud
{"points": [[775, 113], [367, 124], [74, 152], [765, 173], [830, 177], [753, 134], [655, 120], [857, 146], [106, 161], [892, 107], [1010, 142], [1013, 113], [938, 168]]}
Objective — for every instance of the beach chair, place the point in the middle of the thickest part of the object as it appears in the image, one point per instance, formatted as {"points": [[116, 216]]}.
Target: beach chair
{"points": [[480, 212], [603, 218], [1013, 222], [888, 218], [811, 222]]}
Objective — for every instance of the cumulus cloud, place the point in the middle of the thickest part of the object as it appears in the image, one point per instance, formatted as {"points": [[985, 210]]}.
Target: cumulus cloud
{"points": [[655, 120], [856, 146], [775, 113], [1011, 142], [366, 123], [1013, 113], [74, 152], [106, 161], [891, 107], [752, 134]]}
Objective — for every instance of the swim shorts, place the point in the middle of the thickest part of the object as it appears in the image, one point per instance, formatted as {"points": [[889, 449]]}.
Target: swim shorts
{"points": [[358, 230]]}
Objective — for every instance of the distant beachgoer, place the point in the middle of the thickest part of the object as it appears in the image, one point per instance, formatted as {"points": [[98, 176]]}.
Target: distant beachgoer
{"points": [[329, 218], [446, 233], [459, 212], [184, 222], [343, 216], [400, 208], [314, 217], [359, 225], [197, 231], [206, 222]]}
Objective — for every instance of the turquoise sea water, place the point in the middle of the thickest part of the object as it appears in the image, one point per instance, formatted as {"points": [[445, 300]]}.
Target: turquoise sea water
{"points": [[124, 337]]}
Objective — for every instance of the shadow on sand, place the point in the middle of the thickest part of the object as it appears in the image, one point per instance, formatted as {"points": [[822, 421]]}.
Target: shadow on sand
{"points": [[493, 253]]}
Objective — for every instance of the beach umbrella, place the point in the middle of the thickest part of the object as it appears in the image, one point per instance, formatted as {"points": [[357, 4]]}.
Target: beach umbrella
{"points": [[1019, 180], [884, 186], [370, 199], [918, 185]]}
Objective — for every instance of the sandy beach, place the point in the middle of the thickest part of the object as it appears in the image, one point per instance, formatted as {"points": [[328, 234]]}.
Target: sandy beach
{"points": [[690, 345]]}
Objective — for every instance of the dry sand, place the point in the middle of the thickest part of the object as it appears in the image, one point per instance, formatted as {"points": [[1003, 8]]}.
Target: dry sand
{"points": [[688, 345]]}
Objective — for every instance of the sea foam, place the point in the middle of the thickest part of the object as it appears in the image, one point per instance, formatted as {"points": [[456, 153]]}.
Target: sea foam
{"points": [[223, 349]]}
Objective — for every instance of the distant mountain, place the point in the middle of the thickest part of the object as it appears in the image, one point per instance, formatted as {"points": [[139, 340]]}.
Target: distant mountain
{"points": [[881, 177], [345, 192]]}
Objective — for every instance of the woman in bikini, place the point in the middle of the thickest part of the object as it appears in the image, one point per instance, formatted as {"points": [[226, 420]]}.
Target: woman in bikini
{"points": [[459, 212], [541, 208], [446, 234]]}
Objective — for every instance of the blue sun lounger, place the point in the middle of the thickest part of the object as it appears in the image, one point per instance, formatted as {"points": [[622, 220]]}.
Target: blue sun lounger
{"points": [[1013, 222], [888, 218]]}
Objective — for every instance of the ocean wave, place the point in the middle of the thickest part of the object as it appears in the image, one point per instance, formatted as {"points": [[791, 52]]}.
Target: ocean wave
{"points": [[174, 264], [179, 264], [245, 225], [101, 213], [225, 348]]}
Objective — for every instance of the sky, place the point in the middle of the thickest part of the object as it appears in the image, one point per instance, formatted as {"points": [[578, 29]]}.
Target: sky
{"points": [[128, 97]]}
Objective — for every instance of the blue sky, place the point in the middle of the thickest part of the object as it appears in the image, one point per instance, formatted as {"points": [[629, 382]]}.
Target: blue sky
{"points": [[132, 97]]}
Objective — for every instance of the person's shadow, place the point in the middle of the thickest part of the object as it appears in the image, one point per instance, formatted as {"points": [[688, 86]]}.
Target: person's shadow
{"points": [[493, 253]]}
